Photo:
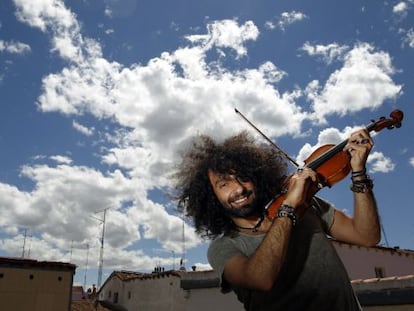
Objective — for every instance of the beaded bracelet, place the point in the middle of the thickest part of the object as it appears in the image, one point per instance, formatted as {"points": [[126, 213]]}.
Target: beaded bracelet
{"points": [[287, 211]]}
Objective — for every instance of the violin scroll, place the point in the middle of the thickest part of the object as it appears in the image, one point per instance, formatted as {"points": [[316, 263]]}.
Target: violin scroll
{"points": [[396, 116]]}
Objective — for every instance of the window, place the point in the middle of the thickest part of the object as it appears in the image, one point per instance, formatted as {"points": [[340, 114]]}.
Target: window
{"points": [[115, 297], [379, 272], [129, 295]]}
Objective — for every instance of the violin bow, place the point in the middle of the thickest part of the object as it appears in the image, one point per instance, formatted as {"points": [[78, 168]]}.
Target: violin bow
{"points": [[267, 138]]}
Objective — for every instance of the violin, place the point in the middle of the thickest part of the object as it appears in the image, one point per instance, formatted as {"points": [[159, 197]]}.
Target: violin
{"points": [[332, 163]]}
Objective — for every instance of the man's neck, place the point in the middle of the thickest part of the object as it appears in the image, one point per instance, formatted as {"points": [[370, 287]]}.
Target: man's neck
{"points": [[252, 225]]}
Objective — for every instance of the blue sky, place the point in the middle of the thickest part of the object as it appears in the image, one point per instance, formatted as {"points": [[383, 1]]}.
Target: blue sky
{"points": [[97, 99]]}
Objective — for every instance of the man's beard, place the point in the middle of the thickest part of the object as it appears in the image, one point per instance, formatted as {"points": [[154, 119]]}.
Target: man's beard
{"points": [[255, 208]]}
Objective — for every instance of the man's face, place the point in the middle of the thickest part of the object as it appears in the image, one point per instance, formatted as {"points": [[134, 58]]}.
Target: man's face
{"points": [[236, 195]]}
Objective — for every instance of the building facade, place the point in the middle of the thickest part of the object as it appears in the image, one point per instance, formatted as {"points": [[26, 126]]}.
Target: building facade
{"points": [[27, 284], [166, 291]]}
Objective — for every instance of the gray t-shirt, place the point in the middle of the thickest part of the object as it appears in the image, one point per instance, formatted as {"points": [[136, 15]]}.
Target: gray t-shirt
{"points": [[312, 278]]}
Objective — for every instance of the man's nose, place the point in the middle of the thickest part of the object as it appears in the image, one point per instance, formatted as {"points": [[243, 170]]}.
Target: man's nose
{"points": [[239, 186]]}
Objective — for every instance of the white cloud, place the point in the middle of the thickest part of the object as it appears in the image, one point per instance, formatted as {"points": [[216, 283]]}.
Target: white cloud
{"points": [[202, 266], [329, 53], [288, 18], [40, 13], [400, 9], [61, 159], [14, 47], [363, 82], [108, 12], [83, 129], [120, 9], [409, 38], [227, 34], [53, 16], [155, 98], [380, 163], [412, 161]]}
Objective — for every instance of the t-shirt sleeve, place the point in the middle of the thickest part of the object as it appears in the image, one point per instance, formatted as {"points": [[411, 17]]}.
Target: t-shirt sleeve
{"points": [[219, 252], [326, 210]]}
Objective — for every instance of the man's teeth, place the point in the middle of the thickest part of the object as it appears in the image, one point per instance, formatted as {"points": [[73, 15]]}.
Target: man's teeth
{"points": [[240, 200]]}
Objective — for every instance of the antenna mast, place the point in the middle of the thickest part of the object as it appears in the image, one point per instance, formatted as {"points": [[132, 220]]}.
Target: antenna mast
{"points": [[24, 242], [86, 266], [103, 221], [71, 251], [182, 265]]}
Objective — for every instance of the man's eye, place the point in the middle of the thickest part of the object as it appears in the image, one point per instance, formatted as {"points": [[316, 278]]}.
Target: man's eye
{"points": [[244, 179], [222, 184]]}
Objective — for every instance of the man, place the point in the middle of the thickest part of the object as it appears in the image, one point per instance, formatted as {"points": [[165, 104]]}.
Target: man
{"points": [[285, 263]]}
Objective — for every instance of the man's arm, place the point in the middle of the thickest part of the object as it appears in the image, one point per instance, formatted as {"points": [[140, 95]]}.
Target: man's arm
{"points": [[261, 269], [364, 227]]}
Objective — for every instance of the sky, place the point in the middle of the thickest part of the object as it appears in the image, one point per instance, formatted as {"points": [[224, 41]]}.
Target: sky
{"points": [[99, 98]]}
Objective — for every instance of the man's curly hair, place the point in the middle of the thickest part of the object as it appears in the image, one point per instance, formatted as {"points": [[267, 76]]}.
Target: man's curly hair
{"points": [[240, 155]]}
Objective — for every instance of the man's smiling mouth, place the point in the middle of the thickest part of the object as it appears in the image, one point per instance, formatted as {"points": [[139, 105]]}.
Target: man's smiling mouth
{"points": [[241, 200]]}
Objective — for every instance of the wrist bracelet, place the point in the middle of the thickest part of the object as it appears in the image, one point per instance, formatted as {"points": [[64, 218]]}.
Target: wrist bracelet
{"points": [[362, 186], [287, 211], [365, 177], [359, 173]]}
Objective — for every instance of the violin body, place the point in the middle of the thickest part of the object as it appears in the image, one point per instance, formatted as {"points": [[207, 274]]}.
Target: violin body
{"points": [[330, 172]]}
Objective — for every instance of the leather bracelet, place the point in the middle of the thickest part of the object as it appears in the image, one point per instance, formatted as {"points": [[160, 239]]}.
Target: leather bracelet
{"points": [[359, 173], [287, 211], [362, 186]]}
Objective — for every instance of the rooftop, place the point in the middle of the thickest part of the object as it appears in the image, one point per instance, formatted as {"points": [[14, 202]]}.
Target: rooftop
{"points": [[12, 262]]}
